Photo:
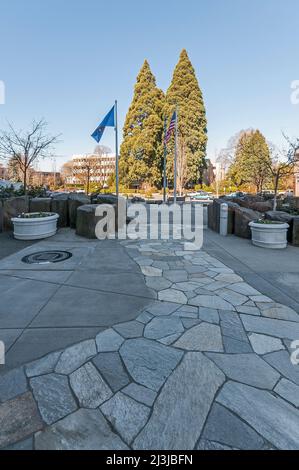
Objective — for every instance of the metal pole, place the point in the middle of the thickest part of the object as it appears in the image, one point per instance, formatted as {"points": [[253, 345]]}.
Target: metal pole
{"points": [[164, 165], [175, 156], [116, 151]]}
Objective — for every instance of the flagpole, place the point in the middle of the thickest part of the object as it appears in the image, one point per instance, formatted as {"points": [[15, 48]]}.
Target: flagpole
{"points": [[175, 155], [164, 165], [116, 151]]}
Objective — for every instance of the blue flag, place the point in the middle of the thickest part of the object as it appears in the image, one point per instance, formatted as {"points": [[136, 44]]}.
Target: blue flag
{"points": [[108, 121]]}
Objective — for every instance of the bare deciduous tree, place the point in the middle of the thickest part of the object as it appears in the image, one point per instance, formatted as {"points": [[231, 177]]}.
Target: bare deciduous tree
{"points": [[25, 147], [283, 163], [67, 171], [87, 168], [102, 150]]}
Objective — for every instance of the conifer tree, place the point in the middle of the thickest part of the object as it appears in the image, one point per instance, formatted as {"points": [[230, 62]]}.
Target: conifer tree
{"points": [[252, 160], [185, 93], [141, 150]]}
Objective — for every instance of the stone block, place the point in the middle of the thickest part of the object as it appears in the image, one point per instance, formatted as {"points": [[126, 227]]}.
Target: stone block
{"points": [[1, 216], [242, 218], [40, 204], [232, 206], [282, 217], [87, 220], [211, 219], [59, 204], [105, 199], [12, 208], [295, 234], [75, 201]]}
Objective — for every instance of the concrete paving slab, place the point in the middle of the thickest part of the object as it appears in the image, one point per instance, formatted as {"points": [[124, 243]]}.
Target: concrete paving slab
{"points": [[275, 273], [122, 283], [22, 301], [56, 277], [79, 251], [9, 337], [73, 306], [35, 343]]}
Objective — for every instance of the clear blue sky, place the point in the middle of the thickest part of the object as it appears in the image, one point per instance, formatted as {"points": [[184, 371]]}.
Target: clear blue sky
{"points": [[68, 60]]}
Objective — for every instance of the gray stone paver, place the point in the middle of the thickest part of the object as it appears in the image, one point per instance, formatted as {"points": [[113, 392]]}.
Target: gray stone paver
{"points": [[109, 341], [140, 393], [72, 358], [192, 386], [112, 370], [127, 415], [247, 368], [149, 362], [12, 384], [19, 419], [53, 396], [158, 379], [89, 387], [209, 315], [82, 430], [225, 427], [263, 344], [289, 391], [132, 329], [46, 365], [272, 417], [203, 337], [160, 327], [281, 361]]}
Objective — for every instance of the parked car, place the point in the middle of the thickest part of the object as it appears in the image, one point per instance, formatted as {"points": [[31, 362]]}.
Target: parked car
{"points": [[267, 192], [236, 194], [201, 196]]}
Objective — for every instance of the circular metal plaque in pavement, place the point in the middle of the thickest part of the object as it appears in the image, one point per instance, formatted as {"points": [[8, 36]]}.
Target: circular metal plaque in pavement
{"points": [[47, 257]]}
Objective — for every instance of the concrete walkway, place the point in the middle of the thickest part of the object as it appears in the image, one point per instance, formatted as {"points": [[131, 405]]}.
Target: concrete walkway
{"points": [[204, 365], [46, 308], [274, 272], [8, 245]]}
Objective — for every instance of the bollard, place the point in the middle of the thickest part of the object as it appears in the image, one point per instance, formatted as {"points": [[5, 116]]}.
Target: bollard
{"points": [[223, 219]]}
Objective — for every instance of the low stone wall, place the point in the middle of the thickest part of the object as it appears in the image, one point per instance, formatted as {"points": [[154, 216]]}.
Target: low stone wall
{"points": [[12, 208], [292, 220], [243, 217], [240, 216], [65, 205]]}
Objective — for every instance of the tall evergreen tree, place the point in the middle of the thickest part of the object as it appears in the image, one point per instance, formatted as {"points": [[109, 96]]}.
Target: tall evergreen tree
{"points": [[185, 92], [252, 162], [141, 150]]}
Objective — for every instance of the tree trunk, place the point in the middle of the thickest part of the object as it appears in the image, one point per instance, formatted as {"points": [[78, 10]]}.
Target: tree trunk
{"points": [[25, 180], [88, 180], [275, 192]]}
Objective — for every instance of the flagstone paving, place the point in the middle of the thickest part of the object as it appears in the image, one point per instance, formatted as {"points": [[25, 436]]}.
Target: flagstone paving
{"points": [[205, 365]]}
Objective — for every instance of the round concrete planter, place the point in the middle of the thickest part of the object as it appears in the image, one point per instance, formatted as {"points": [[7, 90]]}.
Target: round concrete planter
{"points": [[35, 228], [272, 236]]}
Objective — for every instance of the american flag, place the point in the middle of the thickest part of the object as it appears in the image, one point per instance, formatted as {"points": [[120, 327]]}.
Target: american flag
{"points": [[171, 128]]}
